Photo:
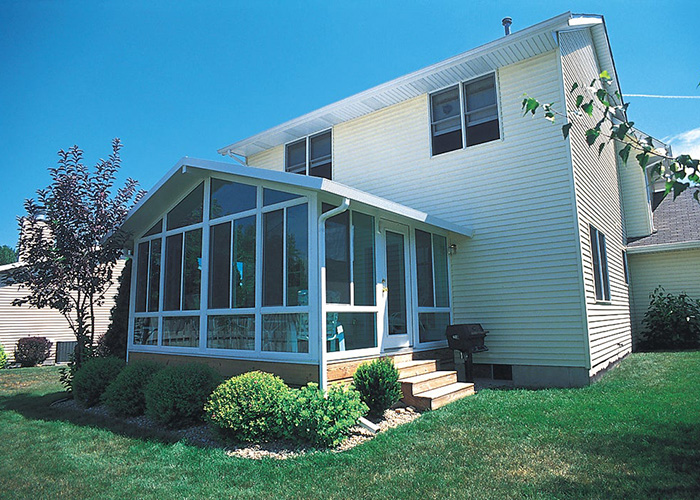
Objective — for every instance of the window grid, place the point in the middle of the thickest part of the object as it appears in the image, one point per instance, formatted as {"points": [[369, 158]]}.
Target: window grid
{"points": [[306, 167]]}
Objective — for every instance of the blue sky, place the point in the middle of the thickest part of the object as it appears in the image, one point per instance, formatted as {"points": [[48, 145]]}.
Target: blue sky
{"points": [[175, 79]]}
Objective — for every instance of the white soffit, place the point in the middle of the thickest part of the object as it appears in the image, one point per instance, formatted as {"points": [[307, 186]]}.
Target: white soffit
{"points": [[504, 51]]}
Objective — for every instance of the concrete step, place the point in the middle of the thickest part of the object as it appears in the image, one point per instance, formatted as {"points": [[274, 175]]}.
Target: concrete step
{"points": [[413, 368], [435, 398], [427, 381]]}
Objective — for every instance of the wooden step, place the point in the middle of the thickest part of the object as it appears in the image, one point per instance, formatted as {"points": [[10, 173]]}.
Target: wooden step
{"points": [[435, 398], [427, 381], [413, 368]]}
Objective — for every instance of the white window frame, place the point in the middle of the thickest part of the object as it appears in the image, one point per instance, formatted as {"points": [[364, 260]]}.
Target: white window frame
{"points": [[599, 260], [461, 85], [307, 162]]}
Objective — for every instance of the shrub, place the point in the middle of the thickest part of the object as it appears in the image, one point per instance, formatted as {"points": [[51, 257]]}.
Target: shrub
{"points": [[378, 384], [92, 378], [321, 421], [672, 322], [31, 351], [126, 396], [3, 357], [176, 395], [248, 407]]}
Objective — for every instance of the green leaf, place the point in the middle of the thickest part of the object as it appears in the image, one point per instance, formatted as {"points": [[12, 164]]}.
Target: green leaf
{"points": [[696, 194], [574, 87], [565, 129], [643, 159], [592, 83], [591, 135], [530, 105], [678, 188], [588, 108], [601, 147], [625, 152], [603, 97], [605, 75], [579, 100]]}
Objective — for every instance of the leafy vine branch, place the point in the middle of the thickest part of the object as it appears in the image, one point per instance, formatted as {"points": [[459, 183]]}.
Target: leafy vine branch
{"points": [[679, 172]]}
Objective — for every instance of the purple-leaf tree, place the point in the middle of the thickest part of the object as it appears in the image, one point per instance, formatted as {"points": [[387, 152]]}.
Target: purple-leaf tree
{"points": [[70, 240]]}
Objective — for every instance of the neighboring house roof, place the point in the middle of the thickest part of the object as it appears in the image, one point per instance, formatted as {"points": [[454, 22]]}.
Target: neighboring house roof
{"points": [[676, 225], [510, 49], [188, 170]]}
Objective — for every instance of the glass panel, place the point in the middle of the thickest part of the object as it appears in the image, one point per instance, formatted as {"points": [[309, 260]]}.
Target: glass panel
{"points": [[338, 258], [220, 266], [604, 266], [181, 331], [447, 142], [424, 260], [445, 104], [480, 94], [596, 264], [320, 146], [273, 265], [243, 285], [432, 326], [285, 332], [146, 331], [154, 279], [231, 198], [297, 256], [272, 196], [173, 272], [157, 228], [192, 272], [142, 277], [396, 282], [348, 331], [231, 332], [363, 259], [484, 132], [442, 291], [296, 157], [189, 210], [323, 170]]}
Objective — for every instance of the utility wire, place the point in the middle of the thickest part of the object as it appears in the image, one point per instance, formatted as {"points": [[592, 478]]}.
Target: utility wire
{"points": [[664, 96]]}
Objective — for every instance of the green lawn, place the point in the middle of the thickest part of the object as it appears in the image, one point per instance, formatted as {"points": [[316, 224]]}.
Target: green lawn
{"points": [[634, 434]]}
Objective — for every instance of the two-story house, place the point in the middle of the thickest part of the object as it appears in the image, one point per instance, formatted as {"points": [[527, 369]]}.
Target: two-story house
{"points": [[366, 227]]}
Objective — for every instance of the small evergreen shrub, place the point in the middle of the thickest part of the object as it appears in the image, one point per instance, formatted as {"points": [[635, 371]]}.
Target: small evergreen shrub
{"points": [[672, 322], [176, 395], [321, 421], [378, 384], [126, 396], [248, 407], [31, 351], [93, 377], [3, 357]]}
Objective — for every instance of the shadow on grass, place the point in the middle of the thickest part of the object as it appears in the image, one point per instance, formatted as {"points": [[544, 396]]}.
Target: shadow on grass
{"points": [[36, 407]]}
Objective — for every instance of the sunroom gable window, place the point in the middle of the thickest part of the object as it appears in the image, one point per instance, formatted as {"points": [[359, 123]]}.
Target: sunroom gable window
{"points": [[318, 148]]}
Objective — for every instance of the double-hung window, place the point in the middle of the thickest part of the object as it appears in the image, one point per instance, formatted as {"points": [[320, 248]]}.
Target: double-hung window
{"points": [[600, 265], [310, 156], [465, 114]]}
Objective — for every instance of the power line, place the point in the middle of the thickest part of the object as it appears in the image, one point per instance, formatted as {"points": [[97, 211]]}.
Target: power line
{"points": [[664, 96]]}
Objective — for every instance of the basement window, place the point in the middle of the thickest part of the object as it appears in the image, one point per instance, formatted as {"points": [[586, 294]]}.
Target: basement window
{"points": [[310, 156], [467, 117]]}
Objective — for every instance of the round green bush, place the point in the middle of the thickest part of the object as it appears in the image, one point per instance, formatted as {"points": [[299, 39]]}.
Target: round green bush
{"points": [[126, 396], [93, 377], [320, 420], [31, 351], [378, 384], [175, 396], [248, 407], [3, 357]]}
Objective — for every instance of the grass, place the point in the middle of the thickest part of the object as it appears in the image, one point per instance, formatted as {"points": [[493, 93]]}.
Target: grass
{"points": [[634, 434]]}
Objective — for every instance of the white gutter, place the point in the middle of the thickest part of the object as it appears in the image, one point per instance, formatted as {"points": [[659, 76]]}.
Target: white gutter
{"points": [[323, 348], [663, 247]]}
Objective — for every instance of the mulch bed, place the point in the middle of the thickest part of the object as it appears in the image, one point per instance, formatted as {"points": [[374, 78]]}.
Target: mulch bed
{"points": [[202, 435]]}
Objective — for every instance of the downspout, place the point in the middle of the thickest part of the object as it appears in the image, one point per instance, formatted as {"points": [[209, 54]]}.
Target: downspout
{"points": [[323, 348]]}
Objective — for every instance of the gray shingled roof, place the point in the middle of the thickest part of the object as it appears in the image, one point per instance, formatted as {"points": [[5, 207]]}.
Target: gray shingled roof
{"points": [[674, 222]]}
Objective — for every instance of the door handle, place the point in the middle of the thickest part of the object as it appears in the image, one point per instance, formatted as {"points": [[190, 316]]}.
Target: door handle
{"points": [[384, 287]]}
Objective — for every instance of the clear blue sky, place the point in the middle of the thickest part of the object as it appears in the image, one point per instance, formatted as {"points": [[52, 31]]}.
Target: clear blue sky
{"points": [[175, 79]]}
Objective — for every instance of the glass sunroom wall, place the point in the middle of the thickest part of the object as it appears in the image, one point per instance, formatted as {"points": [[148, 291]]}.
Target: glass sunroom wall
{"points": [[351, 289], [232, 274]]}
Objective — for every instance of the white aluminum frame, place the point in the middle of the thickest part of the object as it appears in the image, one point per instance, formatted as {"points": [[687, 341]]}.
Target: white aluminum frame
{"points": [[307, 141]]}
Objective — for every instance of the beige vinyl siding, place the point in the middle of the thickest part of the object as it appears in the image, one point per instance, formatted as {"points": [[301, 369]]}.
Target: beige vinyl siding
{"points": [[519, 274], [23, 321], [271, 159], [677, 271], [598, 203], [635, 198]]}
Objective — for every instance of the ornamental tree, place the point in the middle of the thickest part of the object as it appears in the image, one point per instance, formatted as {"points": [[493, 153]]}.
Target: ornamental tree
{"points": [[679, 172], [70, 240], [8, 255]]}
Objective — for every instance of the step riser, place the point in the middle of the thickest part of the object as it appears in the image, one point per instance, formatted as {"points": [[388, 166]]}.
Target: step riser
{"points": [[412, 388], [425, 403], [412, 371]]}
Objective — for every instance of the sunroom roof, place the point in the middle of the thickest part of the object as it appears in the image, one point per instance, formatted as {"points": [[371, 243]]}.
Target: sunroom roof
{"points": [[188, 170]]}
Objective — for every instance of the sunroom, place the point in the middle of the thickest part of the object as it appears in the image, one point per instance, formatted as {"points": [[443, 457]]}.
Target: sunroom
{"points": [[242, 268]]}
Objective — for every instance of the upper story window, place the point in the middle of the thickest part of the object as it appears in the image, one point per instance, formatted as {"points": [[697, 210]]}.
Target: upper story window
{"points": [[468, 117], [310, 156], [600, 265]]}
